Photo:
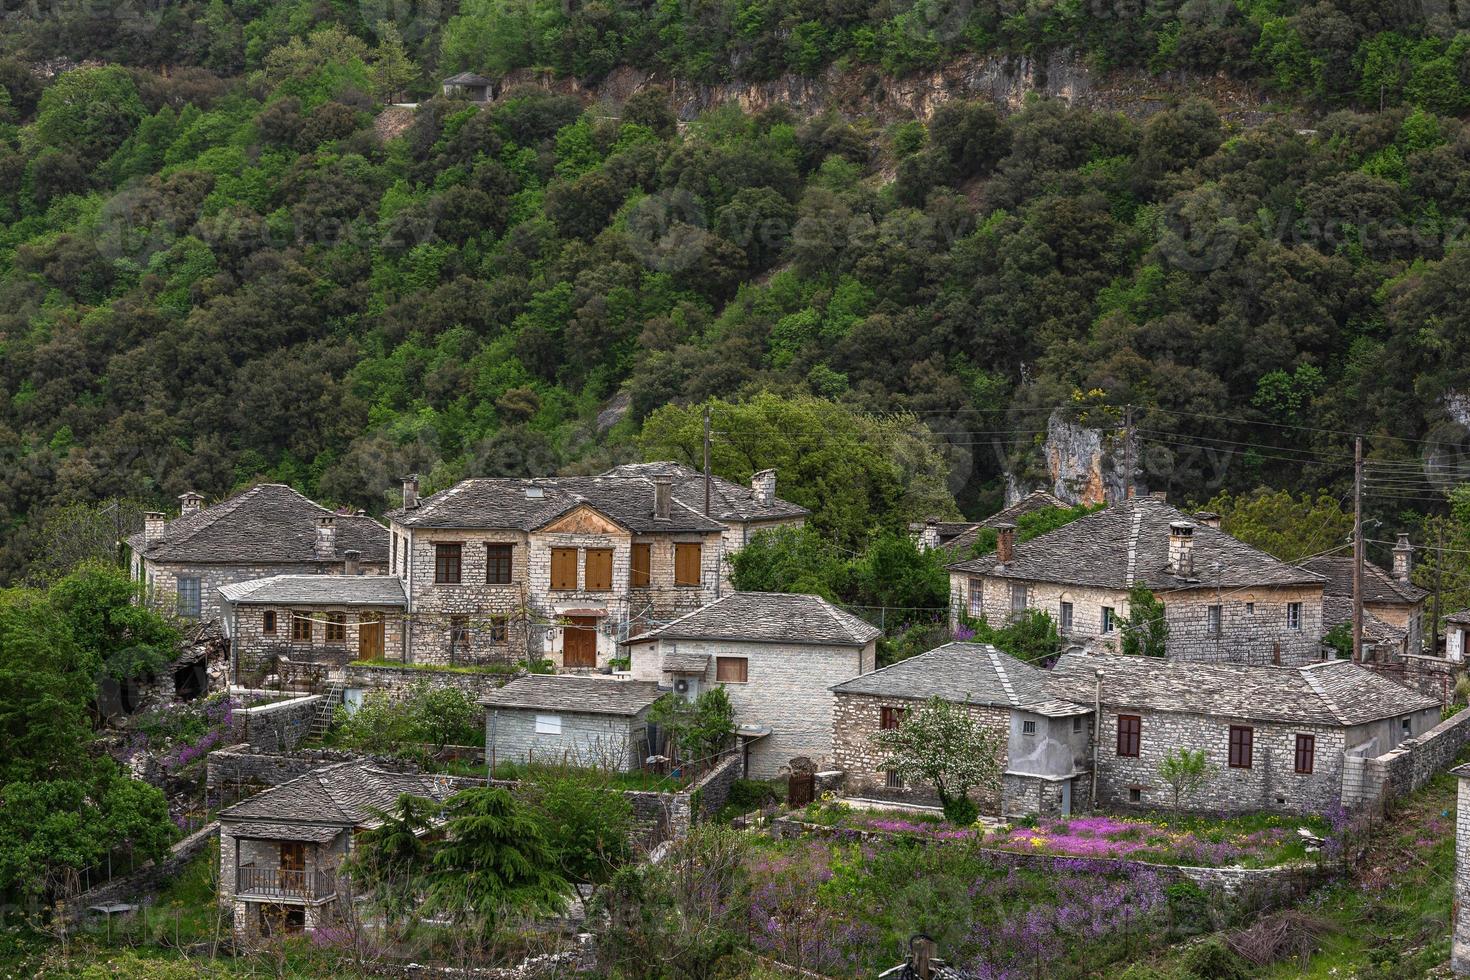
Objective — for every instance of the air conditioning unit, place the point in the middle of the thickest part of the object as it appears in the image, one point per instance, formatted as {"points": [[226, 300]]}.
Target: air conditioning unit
{"points": [[686, 687]]}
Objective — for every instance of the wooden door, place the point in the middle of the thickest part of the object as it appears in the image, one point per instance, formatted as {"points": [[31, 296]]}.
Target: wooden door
{"points": [[579, 642], [370, 636], [293, 855]]}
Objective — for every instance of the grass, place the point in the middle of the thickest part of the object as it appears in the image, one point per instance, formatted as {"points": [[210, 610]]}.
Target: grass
{"points": [[643, 781], [440, 668]]}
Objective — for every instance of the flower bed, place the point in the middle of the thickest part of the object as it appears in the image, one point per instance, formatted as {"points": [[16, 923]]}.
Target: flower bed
{"points": [[1250, 841]]}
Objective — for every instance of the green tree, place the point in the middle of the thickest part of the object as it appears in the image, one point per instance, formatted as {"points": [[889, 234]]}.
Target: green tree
{"points": [[112, 624], [893, 571], [943, 745], [1185, 771], [588, 823], [47, 681], [788, 559], [700, 728], [493, 862], [390, 861], [1031, 637], [393, 70], [1145, 629], [1291, 528], [89, 112]]}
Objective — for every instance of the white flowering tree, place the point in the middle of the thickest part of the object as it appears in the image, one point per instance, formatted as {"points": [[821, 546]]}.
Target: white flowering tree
{"points": [[943, 745]]}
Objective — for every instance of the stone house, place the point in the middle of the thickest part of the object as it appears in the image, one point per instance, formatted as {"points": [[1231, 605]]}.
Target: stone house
{"points": [[1456, 635], [1224, 600], [267, 530], [468, 85], [958, 538], [558, 568], [1393, 606], [281, 851], [743, 510], [597, 722], [312, 618], [1275, 737], [1041, 741], [776, 655]]}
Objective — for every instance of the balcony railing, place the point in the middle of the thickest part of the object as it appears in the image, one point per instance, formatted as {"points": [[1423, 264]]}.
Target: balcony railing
{"points": [[283, 883]]}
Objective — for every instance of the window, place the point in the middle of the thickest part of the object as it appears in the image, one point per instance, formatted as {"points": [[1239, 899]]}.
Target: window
{"points": [[564, 569], [1028, 728], [598, 574], [890, 717], [1240, 746], [1130, 731], [1212, 620], [977, 597], [640, 568], [1306, 750], [732, 670], [1107, 619], [336, 627], [1250, 608], [300, 628], [548, 724], [1018, 598], [189, 606], [499, 628], [393, 558], [686, 564], [1065, 617], [895, 780], [1076, 723], [497, 563], [446, 562], [1293, 615], [1135, 794], [1407, 726], [459, 635], [268, 622]]}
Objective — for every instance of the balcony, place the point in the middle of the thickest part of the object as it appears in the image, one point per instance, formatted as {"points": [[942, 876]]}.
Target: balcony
{"points": [[278, 883]]}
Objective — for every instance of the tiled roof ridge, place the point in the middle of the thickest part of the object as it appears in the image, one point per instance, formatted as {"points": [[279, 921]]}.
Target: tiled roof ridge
{"points": [[1308, 674], [314, 775], [1006, 683]]}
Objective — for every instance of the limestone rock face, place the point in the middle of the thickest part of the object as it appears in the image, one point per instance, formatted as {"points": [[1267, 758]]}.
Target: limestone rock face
{"points": [[1084, 465]]}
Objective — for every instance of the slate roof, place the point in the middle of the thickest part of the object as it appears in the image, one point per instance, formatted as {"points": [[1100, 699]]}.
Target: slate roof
{"points": [[526, 505], [1128, 543], [1378, 584], [729, 501], [962, 542], [971, 673], [467, 78], [592, 695], [676, 662], [1461, 618], [345, 794], [1338, 609], [1333, 692], [267, 524], [318, 590], [768, 617]]}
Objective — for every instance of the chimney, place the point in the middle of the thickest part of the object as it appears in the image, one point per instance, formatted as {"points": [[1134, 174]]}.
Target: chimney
{"points": [[410, 491], [1160, 495], [326, 538], [929, 537], [1403, 559], [153, 522], [349, 562], [1132, 491], [1181, 548], [663, 497], [191, 502], [1005, 542], [763, 487], [1208, 518]]}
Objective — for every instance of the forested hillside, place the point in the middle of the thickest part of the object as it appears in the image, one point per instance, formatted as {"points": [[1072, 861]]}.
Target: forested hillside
{"points": [[216, 267]]}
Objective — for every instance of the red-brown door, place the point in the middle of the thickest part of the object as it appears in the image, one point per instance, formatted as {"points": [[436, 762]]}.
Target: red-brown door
{"points": [[579, 642]]}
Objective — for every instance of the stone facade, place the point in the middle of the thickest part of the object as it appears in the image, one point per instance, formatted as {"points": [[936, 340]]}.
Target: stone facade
{"points": [[240, 854], [787, 690], [161, 580], [524, 735], [276, 727], [1369, 780], [256, 649], [1255, 624], [360, 680], [1460, 948], [527, 617]]}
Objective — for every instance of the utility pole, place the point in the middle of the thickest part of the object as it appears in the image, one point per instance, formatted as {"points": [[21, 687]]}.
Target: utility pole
{"points": [[1438, 588], [1127, 451], [706, 462], [1358, 550]]}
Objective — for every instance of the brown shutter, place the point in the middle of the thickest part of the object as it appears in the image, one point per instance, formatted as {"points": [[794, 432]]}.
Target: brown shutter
{"points": [[732, 669], [599, 570], [564, 568], [686, 564], [640, 572]]}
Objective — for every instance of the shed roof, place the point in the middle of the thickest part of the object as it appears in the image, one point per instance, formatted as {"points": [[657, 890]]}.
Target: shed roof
{"points": [[268, 524], [768, 617], [318, 590], [589, 695], [468, 78], [1128, 543], [1333, 692]]}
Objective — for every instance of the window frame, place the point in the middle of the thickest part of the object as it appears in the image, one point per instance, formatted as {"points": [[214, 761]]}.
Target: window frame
{"points": [[1306, 745], [1028, 726], [890, 716], [499, 630], [744, 664], [268, 622], [301, 628], [459, 634], [448, 559], [567, 558], [1109, 620], [499, 558], [1241, 746], [1215, 620], [1020, 598], [977, 597], [1294, 616], [547, 725], [194, 608], [335, 628], [1130, 737], [685, 548], [1064, 615], [602, 555]]}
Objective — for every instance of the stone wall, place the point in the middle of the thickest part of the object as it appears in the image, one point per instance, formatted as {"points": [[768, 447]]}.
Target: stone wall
{"points": [[161, 579], [1271, 783], [598, 741], [1415, 761], [399, 682], [276, 727], [1433, 677], [857, 719], [1460, 948], [238, 771], [1026, 794], [148, 879], [787, 689], [658, 817], [256, 650]]}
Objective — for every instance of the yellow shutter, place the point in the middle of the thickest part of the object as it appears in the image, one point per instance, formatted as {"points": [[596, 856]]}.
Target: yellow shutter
{"points": [[564, 568], [599, 569]]}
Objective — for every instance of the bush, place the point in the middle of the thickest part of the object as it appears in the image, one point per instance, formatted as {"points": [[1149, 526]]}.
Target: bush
{"points": [[1213, 960], [750, 794], [961, 811], [1189, 908]]}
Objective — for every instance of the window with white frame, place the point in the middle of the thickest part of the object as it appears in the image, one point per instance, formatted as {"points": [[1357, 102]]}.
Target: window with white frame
{"points": [[1107, 619], [1065, 616], [1212, 620], [189, 601], [1293, 615], [977, 597], [548, 724]]}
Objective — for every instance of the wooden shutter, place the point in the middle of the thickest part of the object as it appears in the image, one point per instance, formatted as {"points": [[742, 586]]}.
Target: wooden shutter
{"points": [[1240, 747], [564, 568], [336, 627], [300, 628], [1306, 751], [1130, 731], [686, 564], [732, 669], [599, 570], [890, 717], [640, 572]]}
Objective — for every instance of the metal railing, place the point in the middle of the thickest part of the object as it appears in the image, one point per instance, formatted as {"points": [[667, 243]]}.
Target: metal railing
{"points": [[285, 883]]}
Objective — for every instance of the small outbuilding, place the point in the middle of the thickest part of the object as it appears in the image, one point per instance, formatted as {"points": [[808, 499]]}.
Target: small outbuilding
{"points": [[599, 722], [467, 85]]}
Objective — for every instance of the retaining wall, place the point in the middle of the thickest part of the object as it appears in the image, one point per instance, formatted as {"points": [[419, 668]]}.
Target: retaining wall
{"points": [[148, 879], [1374, 781], [277, 727], [399, 682]]}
